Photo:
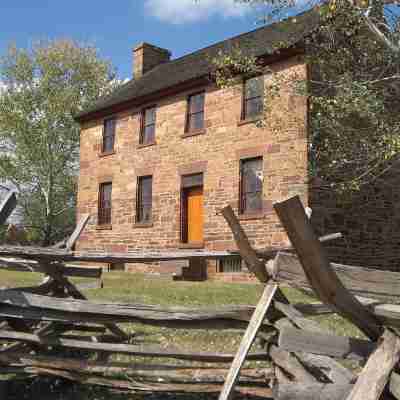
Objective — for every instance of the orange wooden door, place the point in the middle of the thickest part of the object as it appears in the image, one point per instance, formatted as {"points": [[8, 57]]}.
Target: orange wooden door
{"points": [[195, 216]]}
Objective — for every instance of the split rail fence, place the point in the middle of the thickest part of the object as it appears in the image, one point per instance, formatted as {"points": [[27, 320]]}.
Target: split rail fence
{"points": [[305, 358]]}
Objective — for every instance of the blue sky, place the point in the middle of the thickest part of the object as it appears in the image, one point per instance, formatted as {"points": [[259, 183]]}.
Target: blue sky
{"points": [[114, 27]]}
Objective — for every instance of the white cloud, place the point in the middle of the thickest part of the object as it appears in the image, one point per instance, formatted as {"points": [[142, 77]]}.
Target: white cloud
{"points": [[182, 11]]}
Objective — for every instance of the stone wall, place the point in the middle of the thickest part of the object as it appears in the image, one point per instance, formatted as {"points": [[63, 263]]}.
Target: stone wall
{"points": [[216, 152], [369, 222]]}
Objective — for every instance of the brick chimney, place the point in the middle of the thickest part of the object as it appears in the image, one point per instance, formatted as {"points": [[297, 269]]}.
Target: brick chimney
{"points": [[146, 57]]}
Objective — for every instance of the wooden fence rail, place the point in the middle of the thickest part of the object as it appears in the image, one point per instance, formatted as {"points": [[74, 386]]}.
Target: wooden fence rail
{"points": [[30, 306], [367, 282], [55, 316]]}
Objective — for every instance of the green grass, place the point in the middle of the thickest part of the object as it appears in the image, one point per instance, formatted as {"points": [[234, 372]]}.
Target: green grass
{"points": [[125, 287], [137, 288]]}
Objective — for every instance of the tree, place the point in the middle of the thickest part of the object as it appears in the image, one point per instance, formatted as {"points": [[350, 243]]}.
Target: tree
{"points": [[354, 91], [354, 98], [43, 88]]}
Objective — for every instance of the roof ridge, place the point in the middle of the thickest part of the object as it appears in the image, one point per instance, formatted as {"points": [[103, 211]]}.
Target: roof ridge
{"points": [[262, 41], [216, 44], [193, 53], [241, 35]]}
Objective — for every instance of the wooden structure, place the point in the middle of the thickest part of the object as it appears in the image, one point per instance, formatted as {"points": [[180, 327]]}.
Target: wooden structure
{"points": [[303, 355]]}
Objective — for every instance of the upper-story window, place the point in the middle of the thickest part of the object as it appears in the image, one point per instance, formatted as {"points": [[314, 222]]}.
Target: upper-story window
{"points": [[105, 195], [148, 128], [144, 199], [195, 112], [108, 135], [251, 185], [253, 97]]}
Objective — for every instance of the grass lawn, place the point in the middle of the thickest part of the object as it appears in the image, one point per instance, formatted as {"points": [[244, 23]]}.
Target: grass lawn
{"points": [[136, 288]]}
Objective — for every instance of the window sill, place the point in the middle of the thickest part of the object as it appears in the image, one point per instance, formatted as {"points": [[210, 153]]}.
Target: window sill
{"points": [[106, 153], [194, 245], [250, 216], [142, 145], [193, 133], [247, 121], [143, 225], [104, 227]]}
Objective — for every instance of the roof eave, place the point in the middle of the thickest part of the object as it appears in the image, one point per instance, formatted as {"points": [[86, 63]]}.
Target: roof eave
{"points": [[267, 59]]}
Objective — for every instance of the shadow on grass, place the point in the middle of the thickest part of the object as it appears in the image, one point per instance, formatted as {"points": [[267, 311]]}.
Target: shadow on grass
{"points": [[59, 389]]}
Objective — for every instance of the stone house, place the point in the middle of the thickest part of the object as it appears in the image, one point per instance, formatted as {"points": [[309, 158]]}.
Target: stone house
{"points": [[166, 151]]}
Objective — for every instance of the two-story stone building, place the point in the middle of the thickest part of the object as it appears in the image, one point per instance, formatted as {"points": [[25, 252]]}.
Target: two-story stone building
{"points": [[166, 151]]}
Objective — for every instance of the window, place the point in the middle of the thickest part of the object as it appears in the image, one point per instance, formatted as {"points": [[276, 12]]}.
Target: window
{"points": [[108, 135], [251, 182], [253, 97], [195, 116], [231, 265], [148, 129], [105, 192], [144, 199]]}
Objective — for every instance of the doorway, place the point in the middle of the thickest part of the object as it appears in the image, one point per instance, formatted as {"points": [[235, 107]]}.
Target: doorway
{"points": [[192, 209]]}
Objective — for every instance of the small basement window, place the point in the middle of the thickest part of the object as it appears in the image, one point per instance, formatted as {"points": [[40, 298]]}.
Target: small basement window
{"points": [[230, 265]]}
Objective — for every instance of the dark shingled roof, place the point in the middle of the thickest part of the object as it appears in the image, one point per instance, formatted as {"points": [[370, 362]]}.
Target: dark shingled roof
{"points": [[259, 42]]}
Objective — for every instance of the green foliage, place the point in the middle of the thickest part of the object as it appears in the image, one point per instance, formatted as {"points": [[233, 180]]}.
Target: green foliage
{"points": [[231, 66], [45, 86], [354, 99], [354, 91]]}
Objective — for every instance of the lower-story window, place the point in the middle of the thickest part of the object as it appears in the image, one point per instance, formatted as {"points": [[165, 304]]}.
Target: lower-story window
{"points": [[144, 199], [251, 185], [230, 265], [105, 194]]}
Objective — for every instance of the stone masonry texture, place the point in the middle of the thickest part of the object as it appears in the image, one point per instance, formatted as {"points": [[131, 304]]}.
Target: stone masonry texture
{"points": [[216, 152], [367, 221]]}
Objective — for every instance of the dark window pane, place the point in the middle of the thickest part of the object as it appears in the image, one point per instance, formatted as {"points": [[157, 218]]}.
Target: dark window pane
{"points": [[196, 103], [145, 213], [252, 164], [144, 199], [253, 201], [149, 134], [108, 143], [108, 135], [196, 121], [109, 127], [254, 87], [149, 126], [146, 188], [252, 182], [192, 180], [105, 196], [150, 116], [254, 107], [253, 97], [251, 185]]}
